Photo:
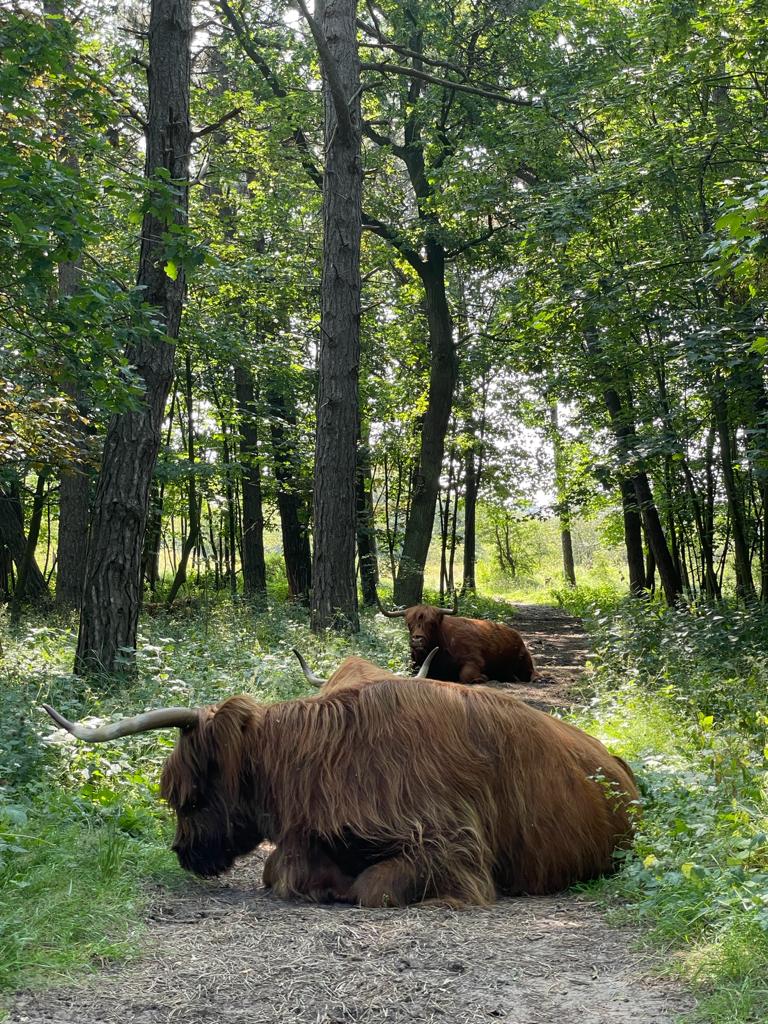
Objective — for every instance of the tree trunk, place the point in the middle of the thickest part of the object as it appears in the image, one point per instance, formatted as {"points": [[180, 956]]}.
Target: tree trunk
{"points": [[291, 505], [745, 587], [193, 533], [254, 565], [468, 584], [366, 530], [563, 508], [334, 583], [624, 429], [633, 538], [28, 565], [442, 381], [12, 538], [112, 591]]}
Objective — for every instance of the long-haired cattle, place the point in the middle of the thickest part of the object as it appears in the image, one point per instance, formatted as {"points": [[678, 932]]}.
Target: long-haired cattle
{"points": [[392, 792], [470, 650]]}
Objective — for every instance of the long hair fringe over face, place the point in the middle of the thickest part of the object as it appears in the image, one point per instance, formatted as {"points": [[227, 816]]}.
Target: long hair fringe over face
{"points": [[209, 784]]}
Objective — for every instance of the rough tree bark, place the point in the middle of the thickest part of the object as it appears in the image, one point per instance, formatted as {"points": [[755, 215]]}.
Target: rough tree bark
{"points": [[254, 565], [334, 583], [112, 590]]}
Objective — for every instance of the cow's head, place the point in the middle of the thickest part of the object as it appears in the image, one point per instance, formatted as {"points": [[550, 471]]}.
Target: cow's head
{"points": [[209, 780], [423, 622]]}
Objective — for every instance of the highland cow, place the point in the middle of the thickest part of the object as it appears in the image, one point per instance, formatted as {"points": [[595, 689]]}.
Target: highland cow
{"points": [[470, 650], [391, 792]]}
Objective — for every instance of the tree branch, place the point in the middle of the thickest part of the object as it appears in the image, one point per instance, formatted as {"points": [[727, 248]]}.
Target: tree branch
{"points": [[300, 139], [446, 83], [243, 37], [217, 124], [387, 44], [378, 227]]}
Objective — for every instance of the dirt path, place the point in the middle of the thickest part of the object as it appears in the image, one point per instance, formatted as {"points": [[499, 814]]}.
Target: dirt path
{"points": [[227, 951]]}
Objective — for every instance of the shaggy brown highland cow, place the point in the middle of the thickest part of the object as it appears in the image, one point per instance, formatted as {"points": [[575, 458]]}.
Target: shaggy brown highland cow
{"points": [[469, 650], [392, 792]]}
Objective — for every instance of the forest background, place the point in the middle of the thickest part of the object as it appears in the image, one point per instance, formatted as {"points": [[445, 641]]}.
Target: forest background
{"points": [[542, 379]]}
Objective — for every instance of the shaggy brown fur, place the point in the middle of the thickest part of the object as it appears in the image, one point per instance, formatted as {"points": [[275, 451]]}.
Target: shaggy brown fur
{"points": [[356, 671], [397, 791], [471, 650]]}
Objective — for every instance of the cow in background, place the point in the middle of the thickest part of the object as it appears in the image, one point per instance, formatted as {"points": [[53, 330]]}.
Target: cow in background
{"points": [[469, 650]]}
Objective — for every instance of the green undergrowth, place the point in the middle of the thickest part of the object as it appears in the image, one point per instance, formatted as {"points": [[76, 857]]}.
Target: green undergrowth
{"points": [[682, 695]]}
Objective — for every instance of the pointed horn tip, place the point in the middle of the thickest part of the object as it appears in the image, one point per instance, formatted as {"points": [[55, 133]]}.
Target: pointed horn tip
{"points": [[424, 669], [58, 719], [308, 673]]}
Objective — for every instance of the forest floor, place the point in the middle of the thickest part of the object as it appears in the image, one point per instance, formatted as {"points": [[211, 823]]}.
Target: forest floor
{"points": [[228, 951]]}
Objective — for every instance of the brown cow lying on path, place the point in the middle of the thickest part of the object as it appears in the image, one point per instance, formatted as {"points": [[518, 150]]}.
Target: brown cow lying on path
{"points": [[470, 650], [391, 792]]}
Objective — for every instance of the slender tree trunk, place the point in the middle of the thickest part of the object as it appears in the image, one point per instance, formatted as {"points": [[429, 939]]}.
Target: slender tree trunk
{"points": [[150, 555], [254, 565], [334, 584], [12, 538], [366, 530], [112, 593], [28, 564], [650, 572], [563, 508], [745, 586], [443, 371], [468, 584], [153, 535], [193, 533], [291, 505], [625, 434], [633, 538]]}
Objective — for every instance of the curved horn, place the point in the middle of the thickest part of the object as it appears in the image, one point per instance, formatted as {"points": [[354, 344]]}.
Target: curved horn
{"points": [[390, 615], [163, 718], [455, 609], [422, 673], [315, 680]]}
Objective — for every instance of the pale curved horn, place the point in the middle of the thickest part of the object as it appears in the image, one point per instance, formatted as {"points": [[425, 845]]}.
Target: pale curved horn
{"points": [[455, 609], [315, 680], [390, 615], [422, 673], [162, 718]]}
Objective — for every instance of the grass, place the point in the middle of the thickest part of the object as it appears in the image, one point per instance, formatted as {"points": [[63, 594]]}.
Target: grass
{"points": [[680, 693]]}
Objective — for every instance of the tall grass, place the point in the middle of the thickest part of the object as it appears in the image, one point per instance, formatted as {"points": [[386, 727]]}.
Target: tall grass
{"points": [[682, 694]]}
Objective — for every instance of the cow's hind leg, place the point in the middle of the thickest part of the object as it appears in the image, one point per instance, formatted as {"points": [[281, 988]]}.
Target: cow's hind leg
{"points": [[306, 871], [398, 881], [472, 673]]}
